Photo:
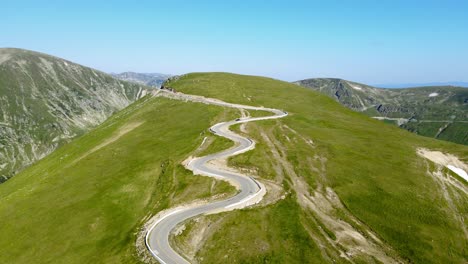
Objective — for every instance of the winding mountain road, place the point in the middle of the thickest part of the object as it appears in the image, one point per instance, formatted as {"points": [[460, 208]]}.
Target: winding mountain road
{"points": [[250, 191]]}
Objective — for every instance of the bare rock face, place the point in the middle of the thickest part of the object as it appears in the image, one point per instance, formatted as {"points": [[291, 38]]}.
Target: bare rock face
{"points": [[46, 101]]}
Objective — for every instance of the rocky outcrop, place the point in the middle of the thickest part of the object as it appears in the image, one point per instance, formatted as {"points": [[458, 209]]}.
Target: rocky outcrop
{"points": [[46, 101]]}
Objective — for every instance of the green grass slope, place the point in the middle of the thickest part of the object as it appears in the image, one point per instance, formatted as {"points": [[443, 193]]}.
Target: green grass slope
{"points": [[86, 202], [372, 166], [78, 206]]}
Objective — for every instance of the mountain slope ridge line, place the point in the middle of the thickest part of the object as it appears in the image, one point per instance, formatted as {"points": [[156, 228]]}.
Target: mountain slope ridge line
{"points": [[250, 190]]}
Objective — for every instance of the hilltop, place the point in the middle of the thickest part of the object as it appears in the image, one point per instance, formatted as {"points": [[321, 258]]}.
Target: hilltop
{"points": [[341, 187], [439, 111], [46, 101]]}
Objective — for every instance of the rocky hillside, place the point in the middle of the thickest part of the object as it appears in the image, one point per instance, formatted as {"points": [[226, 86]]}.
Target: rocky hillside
{"points": [[45, 101], [438, 111], [150, 79]]}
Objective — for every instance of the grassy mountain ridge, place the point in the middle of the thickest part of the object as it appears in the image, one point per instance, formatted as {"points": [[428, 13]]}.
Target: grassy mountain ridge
{"points": [[45, 101], [324, 149], [440, 111], [342, 188], [83, 204]]}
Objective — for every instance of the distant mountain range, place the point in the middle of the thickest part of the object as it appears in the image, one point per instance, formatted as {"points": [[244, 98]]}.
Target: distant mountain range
{"points": [[46, 101], [410, 85], [150, 79], [436, 111]]}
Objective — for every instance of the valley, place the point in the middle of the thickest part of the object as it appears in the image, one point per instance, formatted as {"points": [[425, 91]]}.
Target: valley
{"points": [[438, 111], [148, 79]]}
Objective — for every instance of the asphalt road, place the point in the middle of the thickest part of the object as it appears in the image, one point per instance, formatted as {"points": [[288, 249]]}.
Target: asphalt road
{"points": [[157, 237]]}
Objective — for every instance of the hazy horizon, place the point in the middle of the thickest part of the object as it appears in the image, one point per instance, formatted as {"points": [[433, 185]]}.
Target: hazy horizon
{"points": [[392, 42]]}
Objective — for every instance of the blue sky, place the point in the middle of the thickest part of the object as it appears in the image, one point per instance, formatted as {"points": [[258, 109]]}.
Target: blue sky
{"points": [[365, 41]]}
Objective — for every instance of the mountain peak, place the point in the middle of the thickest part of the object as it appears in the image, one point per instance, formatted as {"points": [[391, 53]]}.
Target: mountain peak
{"points": [[45, 101]]}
